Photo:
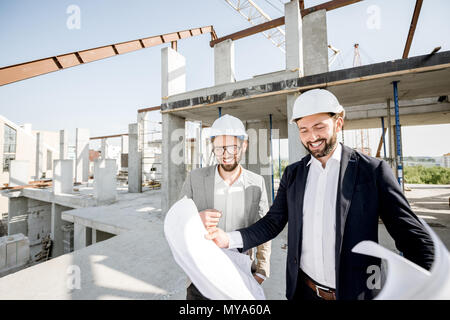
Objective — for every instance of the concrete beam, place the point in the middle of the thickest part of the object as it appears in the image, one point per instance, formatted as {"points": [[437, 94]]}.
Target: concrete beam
{"points": [[134, 160], [224, 62], [254, 99], [82, 155]]}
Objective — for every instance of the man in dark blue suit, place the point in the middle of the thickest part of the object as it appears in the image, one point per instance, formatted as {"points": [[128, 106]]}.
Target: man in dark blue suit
{"points": [[332, 199]]}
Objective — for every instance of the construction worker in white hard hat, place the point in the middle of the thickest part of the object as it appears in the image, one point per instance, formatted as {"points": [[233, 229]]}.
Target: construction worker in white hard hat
{"points": [[333, 199], [227, 195]]}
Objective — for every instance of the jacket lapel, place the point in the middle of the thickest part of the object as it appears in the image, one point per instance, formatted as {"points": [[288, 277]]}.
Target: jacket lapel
{"points": [[208, 183], [248, 198], [299, 193], [346, 186]]}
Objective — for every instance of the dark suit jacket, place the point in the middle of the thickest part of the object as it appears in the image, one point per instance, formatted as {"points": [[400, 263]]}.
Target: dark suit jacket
{"points": [[367, 190]]}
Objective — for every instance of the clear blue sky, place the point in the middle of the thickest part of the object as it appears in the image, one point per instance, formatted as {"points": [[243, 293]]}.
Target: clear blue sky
{"points": [[104, 95]]}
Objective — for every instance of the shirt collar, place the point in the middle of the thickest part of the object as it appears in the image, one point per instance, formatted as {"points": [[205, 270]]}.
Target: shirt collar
{"points": [[336, 156], [218, 179]]}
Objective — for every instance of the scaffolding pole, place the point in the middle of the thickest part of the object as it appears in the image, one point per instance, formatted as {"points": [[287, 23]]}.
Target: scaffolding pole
{"points": [[382, 137], [398, 137]]}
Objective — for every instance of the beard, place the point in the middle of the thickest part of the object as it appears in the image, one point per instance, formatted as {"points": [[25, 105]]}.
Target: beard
{"points": [[326, 150], [229, 167]]}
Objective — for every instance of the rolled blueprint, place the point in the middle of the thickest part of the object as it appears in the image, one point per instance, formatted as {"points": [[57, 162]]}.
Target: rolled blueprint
{"points": [[408, 281], [219, 274]]}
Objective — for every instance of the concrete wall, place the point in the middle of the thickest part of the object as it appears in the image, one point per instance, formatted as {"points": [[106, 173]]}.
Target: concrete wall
{"points": [[39, 221], [14, 252]]}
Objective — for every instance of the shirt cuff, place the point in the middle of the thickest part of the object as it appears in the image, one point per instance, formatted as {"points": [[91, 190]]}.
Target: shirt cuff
{"points": [[235, 240], [260, 275]]}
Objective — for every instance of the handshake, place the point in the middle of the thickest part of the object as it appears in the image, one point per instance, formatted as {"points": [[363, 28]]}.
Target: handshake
{"points": [[210, 219]]}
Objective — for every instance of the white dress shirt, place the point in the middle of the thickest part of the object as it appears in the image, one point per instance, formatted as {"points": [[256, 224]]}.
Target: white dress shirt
{"points": [[319, 220], [230, 200]]}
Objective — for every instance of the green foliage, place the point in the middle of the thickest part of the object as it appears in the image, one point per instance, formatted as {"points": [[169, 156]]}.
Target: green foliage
{"points": [[276, 171], [427, 175]]}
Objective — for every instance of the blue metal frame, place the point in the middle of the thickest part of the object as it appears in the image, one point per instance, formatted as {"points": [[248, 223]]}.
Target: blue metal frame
{"points": [[398, 136], [384, 140]]}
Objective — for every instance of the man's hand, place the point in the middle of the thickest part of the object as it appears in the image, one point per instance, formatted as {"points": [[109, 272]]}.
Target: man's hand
{"points": [[210, 218], [258, 279], [219, 237]]}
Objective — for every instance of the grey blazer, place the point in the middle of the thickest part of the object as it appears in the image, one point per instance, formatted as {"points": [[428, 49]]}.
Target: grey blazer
{"points": [[199, 186]]}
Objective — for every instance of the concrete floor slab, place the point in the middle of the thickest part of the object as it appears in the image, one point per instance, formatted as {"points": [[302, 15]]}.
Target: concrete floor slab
{"points": [[138, 264]]}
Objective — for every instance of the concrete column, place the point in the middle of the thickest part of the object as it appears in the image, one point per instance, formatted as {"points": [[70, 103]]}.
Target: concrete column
{"points": [[121, 152], [293, 36], [94, 236], [143, 141], [18, 173], [173, 165], [82, 154], [82, 236], [393, 150], [258, 158], [104, 149], [18, 215], [57, 233], [296, 149], [105, 181], [134, 160], [315, 43], [173, 72], [63, 143], [224, 62], [62, 176], [173, 81], [39, 156]]}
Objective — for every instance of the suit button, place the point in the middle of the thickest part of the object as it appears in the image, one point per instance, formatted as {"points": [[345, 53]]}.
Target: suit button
{"points": [[295, 260]]}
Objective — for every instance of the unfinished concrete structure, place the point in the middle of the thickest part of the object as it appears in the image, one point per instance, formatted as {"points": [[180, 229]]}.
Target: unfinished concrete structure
{"points": [[263, 102], [366, 92]]}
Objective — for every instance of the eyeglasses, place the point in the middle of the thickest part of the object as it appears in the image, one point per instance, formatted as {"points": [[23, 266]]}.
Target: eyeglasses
{"points": [[218, 151]]}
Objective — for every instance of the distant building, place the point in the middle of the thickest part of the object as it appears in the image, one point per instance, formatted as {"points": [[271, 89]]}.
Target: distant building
{"points": [[446, 160], [19, 143]]}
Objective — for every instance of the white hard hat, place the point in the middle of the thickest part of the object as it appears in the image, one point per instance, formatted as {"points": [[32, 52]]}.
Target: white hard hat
{"points": [[228, 125], [315, 101]]}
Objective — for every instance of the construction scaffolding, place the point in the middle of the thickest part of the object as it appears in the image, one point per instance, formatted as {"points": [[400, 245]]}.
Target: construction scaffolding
{"points": [[150, 142]]}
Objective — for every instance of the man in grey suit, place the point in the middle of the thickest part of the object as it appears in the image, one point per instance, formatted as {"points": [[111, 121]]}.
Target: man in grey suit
{"points": [[227, 195]]}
